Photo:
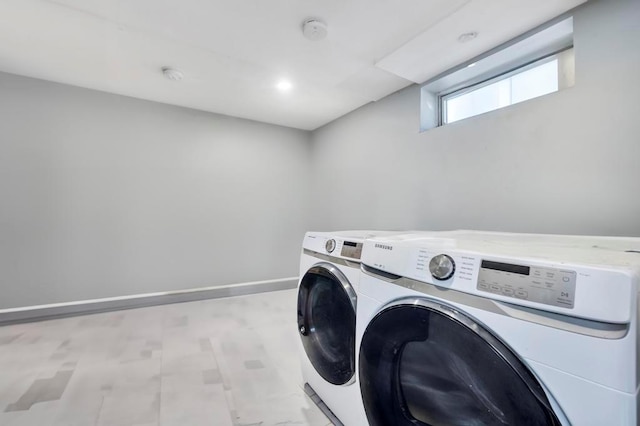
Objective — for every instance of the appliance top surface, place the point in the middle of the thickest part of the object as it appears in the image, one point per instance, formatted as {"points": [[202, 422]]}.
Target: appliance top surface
{"points": [[587, 250], [354, 235]]}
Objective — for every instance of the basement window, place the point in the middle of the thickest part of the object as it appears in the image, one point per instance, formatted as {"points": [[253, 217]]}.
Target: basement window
{"points": [[536, 64], [528, 82]]}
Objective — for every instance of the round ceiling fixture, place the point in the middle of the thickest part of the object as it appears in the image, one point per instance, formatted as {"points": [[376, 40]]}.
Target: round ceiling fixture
{"points": [[172, 74], [284, 85], [467, 36], [314, 29]]}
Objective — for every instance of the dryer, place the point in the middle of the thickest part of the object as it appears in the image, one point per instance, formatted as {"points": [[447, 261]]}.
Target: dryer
{"points": [[326, 318], [487, 328]]}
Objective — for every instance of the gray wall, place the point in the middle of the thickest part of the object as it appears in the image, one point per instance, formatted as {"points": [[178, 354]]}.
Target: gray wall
{"points": [[564, 163], [103, 195]]}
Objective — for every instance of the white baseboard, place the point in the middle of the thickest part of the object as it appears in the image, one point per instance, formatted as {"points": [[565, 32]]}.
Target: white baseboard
{"points": [[82, 307]]}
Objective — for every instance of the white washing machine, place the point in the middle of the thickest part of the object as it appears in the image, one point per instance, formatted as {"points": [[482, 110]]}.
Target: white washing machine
{"points": [[471, 328], [326, 315]]}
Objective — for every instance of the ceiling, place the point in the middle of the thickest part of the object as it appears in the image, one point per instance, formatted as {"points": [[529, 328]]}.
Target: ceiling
{"points": [[233, 52]]}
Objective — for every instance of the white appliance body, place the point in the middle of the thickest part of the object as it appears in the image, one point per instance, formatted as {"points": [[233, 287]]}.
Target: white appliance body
{"points": [[327, 299], [564, 310]]}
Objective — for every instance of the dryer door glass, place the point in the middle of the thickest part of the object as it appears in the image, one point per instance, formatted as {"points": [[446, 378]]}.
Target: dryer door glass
{"points": [[327, 322], [424, 363]]}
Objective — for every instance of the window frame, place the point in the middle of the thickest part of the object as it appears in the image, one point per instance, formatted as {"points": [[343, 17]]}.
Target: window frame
{"points": [[555, 37]]}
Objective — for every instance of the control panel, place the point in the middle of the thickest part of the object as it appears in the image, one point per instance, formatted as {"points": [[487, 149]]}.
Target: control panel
{"points": [[334, 246], [560, 282], [550, 286], [538, 284]]}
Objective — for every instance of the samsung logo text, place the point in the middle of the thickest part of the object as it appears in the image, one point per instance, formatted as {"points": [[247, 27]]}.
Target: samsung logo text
{"points": [[384, 247]]}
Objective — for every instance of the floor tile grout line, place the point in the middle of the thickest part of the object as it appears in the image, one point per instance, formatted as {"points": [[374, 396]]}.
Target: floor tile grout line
{"points": [[162, 356], [227, 395], [99, 415], [99, 411]]}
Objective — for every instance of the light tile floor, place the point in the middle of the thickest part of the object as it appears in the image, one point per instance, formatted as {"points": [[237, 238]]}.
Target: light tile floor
{"points": [[231, 361]]}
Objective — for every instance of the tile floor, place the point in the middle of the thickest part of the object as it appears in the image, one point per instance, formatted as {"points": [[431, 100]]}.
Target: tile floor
{"points": [[230, 361]]}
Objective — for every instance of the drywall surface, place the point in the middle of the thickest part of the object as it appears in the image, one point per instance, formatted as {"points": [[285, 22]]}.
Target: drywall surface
{"points": [[568, 162], [103, 195]]}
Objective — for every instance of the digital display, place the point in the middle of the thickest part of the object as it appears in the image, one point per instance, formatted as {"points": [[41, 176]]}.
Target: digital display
{"points": [[352, 250], [506, 267]]}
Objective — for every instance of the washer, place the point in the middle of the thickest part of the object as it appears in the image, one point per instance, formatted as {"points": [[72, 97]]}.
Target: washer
{"points": [[326, 315], [491, 328]]}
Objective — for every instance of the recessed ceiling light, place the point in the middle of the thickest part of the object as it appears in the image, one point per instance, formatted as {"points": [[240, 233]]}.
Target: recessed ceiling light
{"points": [[463, 38], [284, 85], [172, 74]]}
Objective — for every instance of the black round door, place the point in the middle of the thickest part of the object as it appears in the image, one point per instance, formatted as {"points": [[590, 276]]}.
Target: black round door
{"points": [[425, 363], [327, 322]]}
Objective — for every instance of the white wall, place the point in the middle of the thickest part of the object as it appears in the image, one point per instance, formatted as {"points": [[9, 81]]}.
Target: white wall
{"points": [[564, 163], [103, 195]]}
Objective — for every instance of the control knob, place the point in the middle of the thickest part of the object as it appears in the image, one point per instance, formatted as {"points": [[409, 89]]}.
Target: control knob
{"points": [[330, 245], [442, 267]]}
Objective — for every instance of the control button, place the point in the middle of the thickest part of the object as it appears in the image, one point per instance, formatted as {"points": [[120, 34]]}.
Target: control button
{"points": [[483, 286], [442, 267], [507, 291], [330, 246], [522, 294], [495, 287], [566, 279]]}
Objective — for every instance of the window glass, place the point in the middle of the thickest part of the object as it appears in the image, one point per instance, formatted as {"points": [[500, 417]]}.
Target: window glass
{"points": [[525, 84], [535, 82]]}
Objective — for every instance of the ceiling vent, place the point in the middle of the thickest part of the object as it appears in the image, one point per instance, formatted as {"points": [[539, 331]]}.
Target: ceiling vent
{"points": [[467, 36], [172, 74]]}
